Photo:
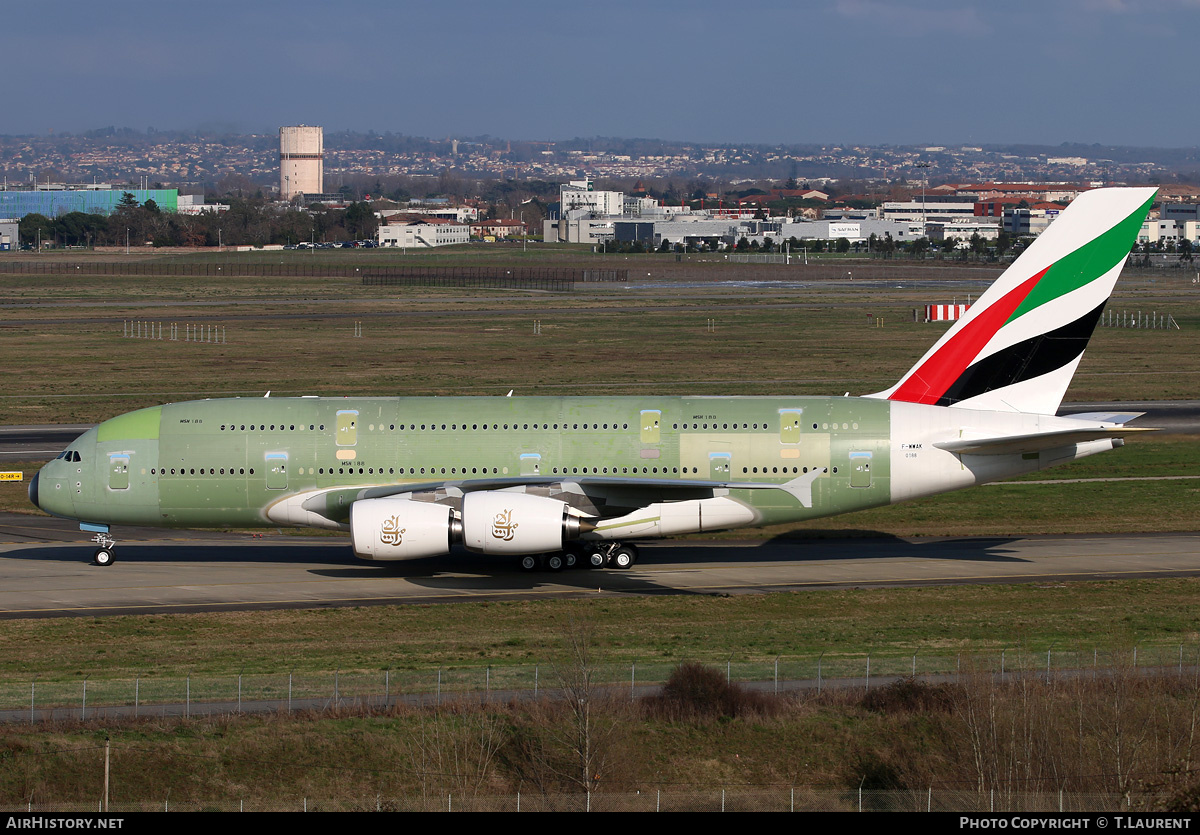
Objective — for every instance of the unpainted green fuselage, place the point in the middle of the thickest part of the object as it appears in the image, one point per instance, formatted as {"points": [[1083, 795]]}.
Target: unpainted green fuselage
{"points": [[227, 462]]}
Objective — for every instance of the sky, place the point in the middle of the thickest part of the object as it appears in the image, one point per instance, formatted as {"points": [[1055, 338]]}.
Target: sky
{"points": [[1113, 72]]}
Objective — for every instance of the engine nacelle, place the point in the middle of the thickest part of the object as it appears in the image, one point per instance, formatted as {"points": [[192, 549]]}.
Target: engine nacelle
{"points": [[401, 529], [496, 522]]}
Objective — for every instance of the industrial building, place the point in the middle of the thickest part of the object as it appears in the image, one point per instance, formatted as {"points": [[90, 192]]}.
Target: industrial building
{"points": [[727, 233], [56, 199], [933, 209], [301, 161], [1031, 222], [579, 194]]}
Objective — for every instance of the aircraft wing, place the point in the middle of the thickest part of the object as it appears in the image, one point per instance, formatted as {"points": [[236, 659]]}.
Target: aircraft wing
{"points": [[598, 495]]}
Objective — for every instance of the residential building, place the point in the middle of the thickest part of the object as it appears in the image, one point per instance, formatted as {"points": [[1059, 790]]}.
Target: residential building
{"points": [[498, 228]]}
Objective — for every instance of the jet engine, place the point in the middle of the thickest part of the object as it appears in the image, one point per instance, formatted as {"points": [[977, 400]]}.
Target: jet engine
{"points": [[401, 529], [496, 522]]}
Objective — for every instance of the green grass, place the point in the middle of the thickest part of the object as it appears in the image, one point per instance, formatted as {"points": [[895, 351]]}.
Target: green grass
{"points": [[847, 624], [68, 362]]}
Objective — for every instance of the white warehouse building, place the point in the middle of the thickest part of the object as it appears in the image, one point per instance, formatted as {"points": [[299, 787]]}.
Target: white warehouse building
{"points": [[423, 234]]}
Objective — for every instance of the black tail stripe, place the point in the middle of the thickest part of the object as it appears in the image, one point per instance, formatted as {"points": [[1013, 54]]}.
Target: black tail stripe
{"points": [[1034, 357]]}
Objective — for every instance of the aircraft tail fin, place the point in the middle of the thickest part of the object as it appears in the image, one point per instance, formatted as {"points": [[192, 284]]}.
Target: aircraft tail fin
{"points": [[1018, 346]]}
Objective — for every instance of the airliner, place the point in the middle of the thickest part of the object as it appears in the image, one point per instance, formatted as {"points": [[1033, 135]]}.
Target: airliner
{"points": [[556, 482]]}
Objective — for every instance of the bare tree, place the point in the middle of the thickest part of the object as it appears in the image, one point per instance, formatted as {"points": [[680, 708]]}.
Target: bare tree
{"points": [[592, 714], [455, 750]]}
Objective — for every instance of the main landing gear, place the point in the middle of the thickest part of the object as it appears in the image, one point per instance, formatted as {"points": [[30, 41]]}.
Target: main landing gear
{"points": [[106, 553], [583, 555]]}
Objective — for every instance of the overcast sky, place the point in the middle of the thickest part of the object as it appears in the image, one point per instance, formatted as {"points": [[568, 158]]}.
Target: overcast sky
{"points": [[826, 71]]}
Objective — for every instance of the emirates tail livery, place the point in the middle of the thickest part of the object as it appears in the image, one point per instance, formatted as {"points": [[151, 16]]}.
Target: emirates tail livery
{"points": [[559, 481]]}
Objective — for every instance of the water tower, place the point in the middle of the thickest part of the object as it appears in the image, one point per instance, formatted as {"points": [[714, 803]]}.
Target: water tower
{"points": [[301, 161]]}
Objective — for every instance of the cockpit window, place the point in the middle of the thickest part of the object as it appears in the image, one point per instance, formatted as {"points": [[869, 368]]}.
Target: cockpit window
{"points": [[69, 455]]}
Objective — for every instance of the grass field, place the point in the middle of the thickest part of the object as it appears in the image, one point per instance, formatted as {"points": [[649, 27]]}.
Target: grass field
{"points": [[848, 623], [68, 361]]}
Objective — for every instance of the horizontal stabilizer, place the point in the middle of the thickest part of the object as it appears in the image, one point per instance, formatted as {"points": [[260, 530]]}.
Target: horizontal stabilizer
{"points": [[1106, 417], [1036, 442]]}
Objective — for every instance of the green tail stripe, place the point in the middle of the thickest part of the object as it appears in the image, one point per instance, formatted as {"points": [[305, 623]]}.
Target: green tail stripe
{"points": [[1086, 264]]}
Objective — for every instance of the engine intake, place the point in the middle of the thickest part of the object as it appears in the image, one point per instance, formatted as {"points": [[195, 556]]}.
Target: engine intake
{"points": [[496, 522], [401, 529]]}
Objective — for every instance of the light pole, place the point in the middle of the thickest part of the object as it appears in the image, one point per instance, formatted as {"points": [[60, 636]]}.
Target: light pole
{"points": [[924, 182]]}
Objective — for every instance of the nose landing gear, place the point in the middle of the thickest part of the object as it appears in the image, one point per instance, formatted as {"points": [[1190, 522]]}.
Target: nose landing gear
{"points": [[105, 554]]}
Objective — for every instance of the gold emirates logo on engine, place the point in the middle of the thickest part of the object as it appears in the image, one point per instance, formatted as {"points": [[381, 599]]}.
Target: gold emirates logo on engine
{"points": [[390, 532], [503, 527]]}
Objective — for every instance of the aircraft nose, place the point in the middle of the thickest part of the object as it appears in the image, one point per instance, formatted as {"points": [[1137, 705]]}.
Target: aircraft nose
{"points": [[33, 490]]}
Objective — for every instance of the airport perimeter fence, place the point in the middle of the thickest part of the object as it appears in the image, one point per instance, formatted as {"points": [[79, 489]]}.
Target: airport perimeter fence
{"points": [[906, 274], [91, 697], [674, 799], [529, 278]]}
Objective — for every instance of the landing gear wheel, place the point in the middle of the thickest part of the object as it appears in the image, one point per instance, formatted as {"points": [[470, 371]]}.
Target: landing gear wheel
{"points": [[529, 562], [624, 557], [104, 554], [596, 558], [570, 559], [555, 562]]}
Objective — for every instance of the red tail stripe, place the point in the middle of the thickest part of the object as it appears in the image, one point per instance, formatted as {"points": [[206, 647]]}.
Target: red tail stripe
{"points": [[930, 381]]}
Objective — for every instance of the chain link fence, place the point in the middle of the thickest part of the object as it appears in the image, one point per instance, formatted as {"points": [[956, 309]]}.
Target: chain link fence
{"points": [[785, 799], [94, 697], [536, 278]]}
